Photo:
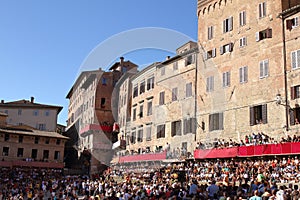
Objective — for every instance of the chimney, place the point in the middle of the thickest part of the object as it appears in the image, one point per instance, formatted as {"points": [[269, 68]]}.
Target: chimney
{"points": [[2, 101], [121, 60], [168, 57], [31, 99]]}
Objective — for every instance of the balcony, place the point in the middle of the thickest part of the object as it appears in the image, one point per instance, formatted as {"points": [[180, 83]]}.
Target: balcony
{"points": [[143, 157], [95, 127]]}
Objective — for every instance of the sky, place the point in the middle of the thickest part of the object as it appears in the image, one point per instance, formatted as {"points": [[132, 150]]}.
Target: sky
{"points": [[44, 44]]}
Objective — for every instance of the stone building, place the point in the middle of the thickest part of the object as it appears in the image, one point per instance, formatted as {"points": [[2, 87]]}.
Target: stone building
{"points": [[27, 112], [242, 86], [23, 146], [90, 116]]}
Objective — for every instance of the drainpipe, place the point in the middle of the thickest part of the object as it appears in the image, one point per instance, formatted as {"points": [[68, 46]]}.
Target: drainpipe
{"points": [[287, 108]]}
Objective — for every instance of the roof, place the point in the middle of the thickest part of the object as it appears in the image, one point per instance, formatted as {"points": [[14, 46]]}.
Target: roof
{"points": [[28, 104], [125, 63], [33, 133]]}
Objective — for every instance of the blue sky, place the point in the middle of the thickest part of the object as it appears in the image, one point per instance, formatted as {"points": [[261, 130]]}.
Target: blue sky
{"points": [[44, 43]]}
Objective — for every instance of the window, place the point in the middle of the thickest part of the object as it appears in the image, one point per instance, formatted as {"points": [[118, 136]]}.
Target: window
{"points": [[149, 108], [162, 71], [188, 90], [150, 83], [262, 10], [20, 152], [135, 91], [175, 128], [133, 137], [142, 87], [295, 115], [41, 127], [243, 18], [216, 121], [56, 155], [102, 102], [295, 92], [210, 54], [243, 74], [141, 110], [226, 79], [47, 113], [210, 84], [140, 135], [258, 115], [210, 32], [292, 23], [148, 133], [104, 81], [21, 138], [226, 48], [45, 154], [134, 114], [58, 142], [6, 137], [295, 59], [34, 153], [36, 140], [189, 125], [161, 98], [243, 41], [5, 151], [175, 66], [35, 113], [263, 68], [190, 60], [227, 24], [160, 131], [263, 34], [174, 94], [19, 112], [47, 140]]}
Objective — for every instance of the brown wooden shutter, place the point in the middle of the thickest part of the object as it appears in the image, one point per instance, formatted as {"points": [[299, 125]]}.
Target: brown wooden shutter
{"points": [[289, 24], [221, 124], [269, 33], [264, 114], [211, 122], [230, 47], [292, 93], [194, 125], [292, 117], [252, 118]]}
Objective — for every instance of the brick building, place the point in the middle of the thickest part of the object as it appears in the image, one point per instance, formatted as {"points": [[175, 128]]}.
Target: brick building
{"points": [[90, 116], [244, 82]]}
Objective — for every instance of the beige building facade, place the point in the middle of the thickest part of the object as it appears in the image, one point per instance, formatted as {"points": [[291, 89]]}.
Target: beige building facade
{"points": [[27, 112]]}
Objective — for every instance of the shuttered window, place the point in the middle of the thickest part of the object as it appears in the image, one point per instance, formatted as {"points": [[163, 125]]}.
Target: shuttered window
{"points": [[243, 71], [216, 122], [228, 25], [174, 94], [258, 115], [294, 116], [148, 133], [295, 92], [264, 68], [262, 10], [175, 128], [210, 84], [226, 79], [161, 98], [189, 125], [242, 18], [295, 59], [160, 131], [210, 32], [140, 135]]}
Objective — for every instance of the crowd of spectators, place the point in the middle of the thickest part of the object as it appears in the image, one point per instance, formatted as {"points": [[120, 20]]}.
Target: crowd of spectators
{"points": [[251, 139], [272, 178]]}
